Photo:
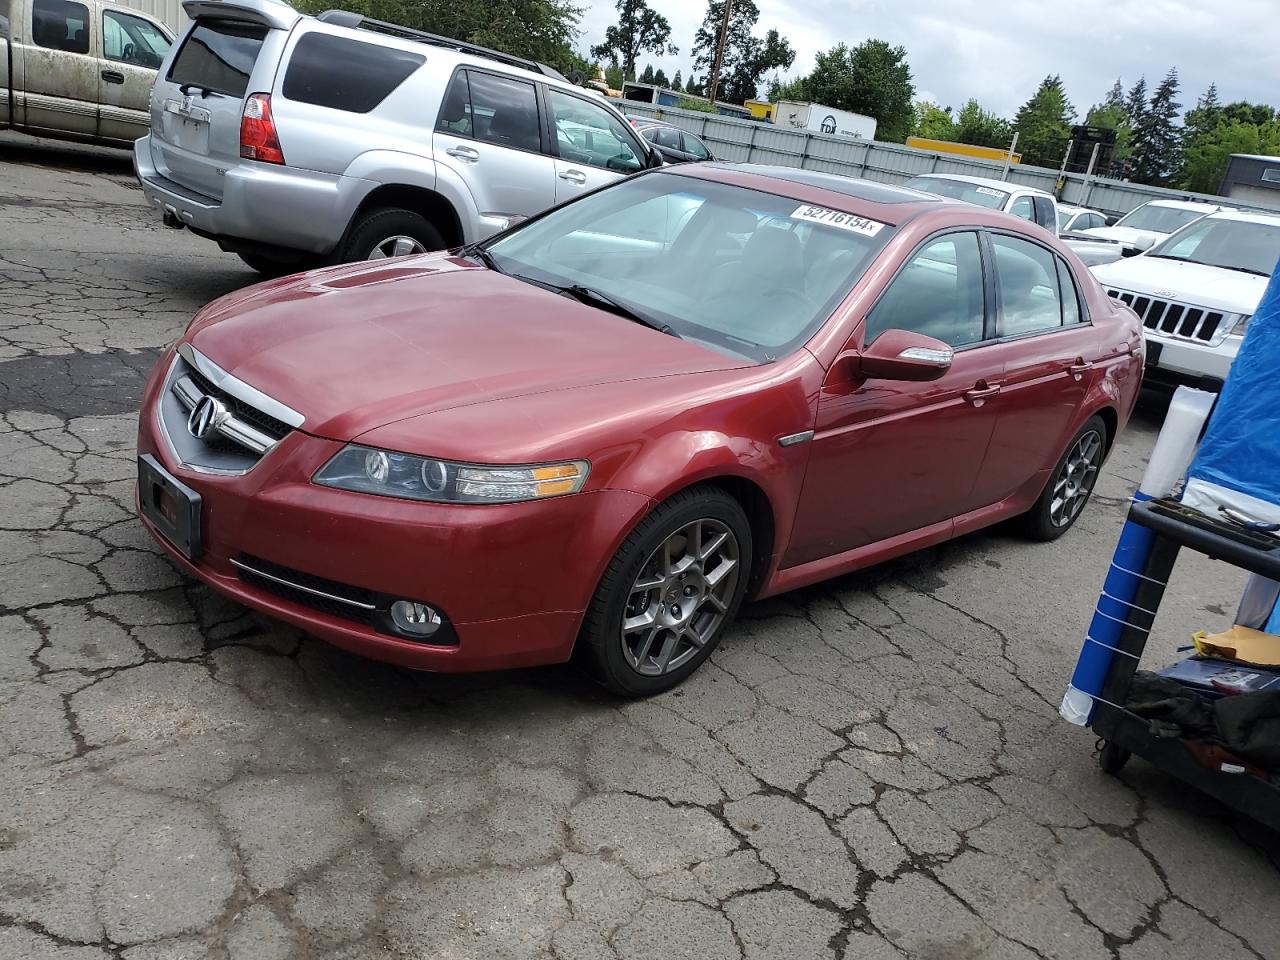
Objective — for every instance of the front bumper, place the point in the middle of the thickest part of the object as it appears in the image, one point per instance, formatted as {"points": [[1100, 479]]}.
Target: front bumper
{"points": [[262, 204], [1180, 361], [512, 579]]}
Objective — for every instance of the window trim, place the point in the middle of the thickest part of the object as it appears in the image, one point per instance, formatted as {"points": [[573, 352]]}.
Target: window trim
{"points": [[540, 105], [88, 29], [642, 148], [136, 15], [1086, 319], [988, 279]]}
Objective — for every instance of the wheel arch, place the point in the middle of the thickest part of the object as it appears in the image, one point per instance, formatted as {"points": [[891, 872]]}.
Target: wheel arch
{"points": [[428, 203]]}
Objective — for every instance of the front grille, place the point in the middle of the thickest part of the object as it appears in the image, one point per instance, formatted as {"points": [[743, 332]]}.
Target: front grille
{"points": [[327, 596], [278, 429], [1177, 320]]}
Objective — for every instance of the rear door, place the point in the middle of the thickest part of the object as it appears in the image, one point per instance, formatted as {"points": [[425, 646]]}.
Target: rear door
{"points": [[61, 67], [1049, 350], [592, 145], [8, 66], [133, 47], [228, 52], [489, 137]]}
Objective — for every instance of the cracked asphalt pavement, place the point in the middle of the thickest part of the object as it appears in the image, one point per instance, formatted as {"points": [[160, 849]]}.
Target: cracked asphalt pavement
{"points": [[867, 769]]}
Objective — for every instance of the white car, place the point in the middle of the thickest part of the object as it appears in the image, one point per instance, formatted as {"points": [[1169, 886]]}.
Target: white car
{"points": [[1145, 226], [1195, 292], [1071, 218], [1029, 203]]}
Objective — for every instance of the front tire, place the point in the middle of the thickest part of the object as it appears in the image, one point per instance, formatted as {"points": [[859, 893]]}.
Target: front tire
{"points": [[271, 268], [391, 232], [669, 593], [1070, 484]]}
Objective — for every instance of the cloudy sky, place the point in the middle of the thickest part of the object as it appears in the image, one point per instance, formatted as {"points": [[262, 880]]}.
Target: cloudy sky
{"points": [[999, 50]]}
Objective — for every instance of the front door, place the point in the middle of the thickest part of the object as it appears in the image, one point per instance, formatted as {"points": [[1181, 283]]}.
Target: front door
{"points": [[132, 49], [489, 140], [61, 68], [1050, 350], [593, 147], [890, 457]]}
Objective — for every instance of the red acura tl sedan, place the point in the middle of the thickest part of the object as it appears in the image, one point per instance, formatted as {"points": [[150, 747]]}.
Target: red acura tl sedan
{"points": [[603, 429]]}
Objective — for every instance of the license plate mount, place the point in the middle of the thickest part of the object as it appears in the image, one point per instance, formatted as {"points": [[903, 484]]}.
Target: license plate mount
{"points": [[172, 507]]}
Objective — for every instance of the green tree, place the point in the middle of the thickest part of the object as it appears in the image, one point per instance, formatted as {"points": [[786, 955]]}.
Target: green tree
{"points": [[981, 128], [647, 75], [1044, 124], [1115, 97], [542, 30], [639, 29], [660, 78], [932, 121], [1135, 105], [1112, 114], [872, 78], [693, 86], [613, 75], [1206, 153], [677, 83], [747, 58], [1155, 146]]}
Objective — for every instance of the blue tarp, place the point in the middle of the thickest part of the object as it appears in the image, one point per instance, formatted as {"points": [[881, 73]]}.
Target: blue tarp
{"points": [[1241, 448]]}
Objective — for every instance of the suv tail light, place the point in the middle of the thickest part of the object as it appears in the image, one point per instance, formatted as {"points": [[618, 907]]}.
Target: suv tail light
{"points": [[258, 140]]}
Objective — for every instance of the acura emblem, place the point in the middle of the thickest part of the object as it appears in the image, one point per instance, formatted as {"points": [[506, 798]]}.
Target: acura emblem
{"points": [[206, 417]]}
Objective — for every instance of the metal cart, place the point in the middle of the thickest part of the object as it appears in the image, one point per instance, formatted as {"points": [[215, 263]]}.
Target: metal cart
{"points": [[1124, 733]]}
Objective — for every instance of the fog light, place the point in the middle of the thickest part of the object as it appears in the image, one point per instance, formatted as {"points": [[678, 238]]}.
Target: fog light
{"points": [[416, 619]]}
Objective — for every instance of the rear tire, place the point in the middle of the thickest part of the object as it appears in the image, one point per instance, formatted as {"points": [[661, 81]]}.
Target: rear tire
{"points": [[391, 232], [1070, 484], [669, 593]]}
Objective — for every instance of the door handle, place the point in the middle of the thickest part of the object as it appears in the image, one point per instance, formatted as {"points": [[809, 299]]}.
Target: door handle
{"points": [[1079, 368], [576, 176], [981, 393], [113, 76], [464, 153]]}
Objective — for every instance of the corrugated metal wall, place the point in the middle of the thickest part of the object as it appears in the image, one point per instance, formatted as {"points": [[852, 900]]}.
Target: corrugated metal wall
{"points": [[169, 12], [747, 141]]}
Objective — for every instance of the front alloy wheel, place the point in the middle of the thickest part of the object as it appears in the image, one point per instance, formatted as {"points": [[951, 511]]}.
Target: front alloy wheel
{"points": [[680, 598]]}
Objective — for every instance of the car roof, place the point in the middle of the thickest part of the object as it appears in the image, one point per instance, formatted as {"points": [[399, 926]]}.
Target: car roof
{"points": [[639, 120], [1245, 216], [880, 201], [1181, 204], [1004, 185]]}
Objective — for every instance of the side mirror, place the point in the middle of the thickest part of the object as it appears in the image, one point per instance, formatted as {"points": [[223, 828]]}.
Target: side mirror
{"points": [[655, 158], [900, 355], [1145, 241]]}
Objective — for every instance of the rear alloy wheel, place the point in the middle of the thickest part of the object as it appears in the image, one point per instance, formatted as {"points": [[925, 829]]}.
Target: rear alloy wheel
{"points": [[391, 232], [669, 593], [1071, 483]]}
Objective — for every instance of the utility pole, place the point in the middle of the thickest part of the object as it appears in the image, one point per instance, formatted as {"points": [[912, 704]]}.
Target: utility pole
{"points": [[713, 81]]}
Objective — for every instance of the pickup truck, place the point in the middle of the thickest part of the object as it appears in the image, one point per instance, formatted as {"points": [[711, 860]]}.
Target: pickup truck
{"points": [[78, 69]]}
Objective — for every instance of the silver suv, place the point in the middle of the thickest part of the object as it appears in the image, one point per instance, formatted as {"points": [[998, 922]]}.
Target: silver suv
{"points": [[293, 140]]}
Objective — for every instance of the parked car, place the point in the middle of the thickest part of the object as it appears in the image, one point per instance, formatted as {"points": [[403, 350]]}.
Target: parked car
{"points": [[1071, 219], [675, 145], [78, 69], [1029, 203], [1196, 291], [1145, 226], [294, 141], [607, 426]]}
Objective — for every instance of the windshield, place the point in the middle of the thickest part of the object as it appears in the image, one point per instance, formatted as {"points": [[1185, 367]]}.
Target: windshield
{"points": [[1159, 219], [1234, 244], [744, 272], [983, 196]]}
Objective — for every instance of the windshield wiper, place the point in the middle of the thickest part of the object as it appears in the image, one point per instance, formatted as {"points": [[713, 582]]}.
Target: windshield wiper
{"points": [[596, 298], [1220, 266], [1256, 273], [484, 256]]}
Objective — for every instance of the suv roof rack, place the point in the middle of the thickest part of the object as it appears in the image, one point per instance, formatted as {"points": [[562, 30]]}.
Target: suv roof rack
{"points": [[356, 21]]}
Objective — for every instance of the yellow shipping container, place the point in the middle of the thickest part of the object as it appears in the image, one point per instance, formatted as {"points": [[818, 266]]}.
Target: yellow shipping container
{"points": [[760, 109], [960, 149]]}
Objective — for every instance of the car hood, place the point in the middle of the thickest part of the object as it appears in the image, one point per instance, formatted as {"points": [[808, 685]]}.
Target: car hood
{"points": [[1191, 283], [1139, 239], [355, 348]]}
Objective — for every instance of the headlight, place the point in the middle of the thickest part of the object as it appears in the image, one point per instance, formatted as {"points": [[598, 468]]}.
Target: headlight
{"points": [[1241, 326], [387, 474]]}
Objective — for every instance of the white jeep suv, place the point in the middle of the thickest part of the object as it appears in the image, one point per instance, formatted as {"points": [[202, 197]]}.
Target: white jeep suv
{"points": [[1145, 226], [1195, 292]]}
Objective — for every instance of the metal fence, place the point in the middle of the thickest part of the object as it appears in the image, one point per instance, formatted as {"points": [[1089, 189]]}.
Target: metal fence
{"points": [[169, 12], [746, 141]]}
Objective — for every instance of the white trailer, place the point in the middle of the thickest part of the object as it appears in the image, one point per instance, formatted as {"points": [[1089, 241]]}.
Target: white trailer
{"points": [[823, 119]]}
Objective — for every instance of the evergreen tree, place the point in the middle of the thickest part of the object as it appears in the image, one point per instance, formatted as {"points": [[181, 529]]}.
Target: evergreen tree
{"points": [[1115, 97], [659, 78], [693, 86], [1155, 153], [677, 83], [647, 76], [613, 75], [639, 29], [1136, 104], [1113, 114], [1044, 124]]}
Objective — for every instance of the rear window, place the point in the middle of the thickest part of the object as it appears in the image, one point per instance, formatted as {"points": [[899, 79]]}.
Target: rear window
{"points": [[218, 55], [368, 73]]}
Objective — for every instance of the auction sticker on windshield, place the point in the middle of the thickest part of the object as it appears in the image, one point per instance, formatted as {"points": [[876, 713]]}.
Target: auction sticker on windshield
{"points": [[837, 218], [988, 192]]}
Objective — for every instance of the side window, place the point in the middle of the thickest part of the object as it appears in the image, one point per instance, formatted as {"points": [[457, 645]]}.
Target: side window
{"points": [[665, 137], [1027, 281], [130, 39], [455, 110], [1022, 208], [504, 111], [1096, 220], [939, 293], [1071, 312], [60, 25], [587, 133], [369, 72], [693, 146], [1046, 216], [4, 19]]}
